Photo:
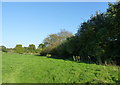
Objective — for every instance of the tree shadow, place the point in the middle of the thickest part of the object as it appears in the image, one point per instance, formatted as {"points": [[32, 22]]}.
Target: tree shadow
{"points": [[66, 59]]}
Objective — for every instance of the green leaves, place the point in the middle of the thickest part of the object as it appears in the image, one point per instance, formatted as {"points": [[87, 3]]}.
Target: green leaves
{"points": [[19, 49], [3, 49], [98, 39]]}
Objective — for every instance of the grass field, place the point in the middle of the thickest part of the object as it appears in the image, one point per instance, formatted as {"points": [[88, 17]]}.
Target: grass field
{"points": [[38, 69]]}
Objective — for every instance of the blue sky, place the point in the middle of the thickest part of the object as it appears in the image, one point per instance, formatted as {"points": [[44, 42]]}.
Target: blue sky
{"points": [[29, 23]]}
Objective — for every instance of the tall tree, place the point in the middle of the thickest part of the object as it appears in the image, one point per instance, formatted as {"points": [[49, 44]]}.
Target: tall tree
{"points": [[54, 40], [97, 39]]}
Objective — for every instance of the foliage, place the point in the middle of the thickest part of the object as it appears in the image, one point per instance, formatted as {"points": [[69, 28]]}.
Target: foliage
{"points": [[10, 50], [54, 40], [3, 49], [25, 50], [41, 46], [97, 40], [32, 48], [19, 49]]}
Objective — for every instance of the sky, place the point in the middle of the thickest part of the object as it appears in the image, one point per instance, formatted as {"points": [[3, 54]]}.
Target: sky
{"points": [[30, 22]]}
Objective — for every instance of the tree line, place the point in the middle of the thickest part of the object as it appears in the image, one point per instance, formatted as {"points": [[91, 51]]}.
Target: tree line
{"points": [[96, 41], [20, 49], [49, 43]]}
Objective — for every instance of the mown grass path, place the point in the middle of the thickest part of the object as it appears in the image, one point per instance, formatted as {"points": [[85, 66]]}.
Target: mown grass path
{"points": [[18, 68]]}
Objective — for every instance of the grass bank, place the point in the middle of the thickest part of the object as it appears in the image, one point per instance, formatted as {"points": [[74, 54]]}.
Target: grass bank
{"points": [[18, 68]]}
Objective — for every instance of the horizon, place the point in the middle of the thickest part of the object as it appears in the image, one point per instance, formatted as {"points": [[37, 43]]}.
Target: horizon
{"points": [[30, 22]]}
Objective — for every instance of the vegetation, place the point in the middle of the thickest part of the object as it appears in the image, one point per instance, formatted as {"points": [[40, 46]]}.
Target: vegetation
{"points": [[19, 68], [19, 49], [3, 48], [53, 40], [32, 48], [97, 39]]}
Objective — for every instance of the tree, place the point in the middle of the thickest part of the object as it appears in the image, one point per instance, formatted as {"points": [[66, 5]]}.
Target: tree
{"points": [[64, 35], [4, 49], [97, 39], [41, 46], [32, 48], [100, 35], [26, 50], [19, 49], [54, 40]]}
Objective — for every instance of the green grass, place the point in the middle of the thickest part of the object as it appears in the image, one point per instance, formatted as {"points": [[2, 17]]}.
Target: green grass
{"points": [[18, 68]]}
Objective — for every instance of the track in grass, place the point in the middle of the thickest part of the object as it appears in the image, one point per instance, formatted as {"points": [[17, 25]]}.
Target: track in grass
{"points": [[18, 68]]}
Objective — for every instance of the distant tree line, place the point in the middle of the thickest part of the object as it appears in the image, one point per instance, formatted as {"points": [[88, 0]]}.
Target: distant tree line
{"points": [[96, 41], [45, 48], [31, 49], [19, 49]]}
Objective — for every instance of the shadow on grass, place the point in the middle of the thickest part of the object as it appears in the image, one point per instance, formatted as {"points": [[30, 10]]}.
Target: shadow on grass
{"points": [[66, 59]]}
